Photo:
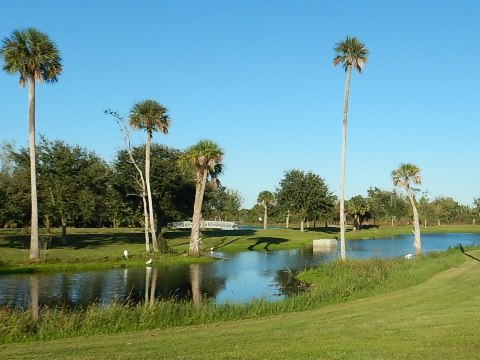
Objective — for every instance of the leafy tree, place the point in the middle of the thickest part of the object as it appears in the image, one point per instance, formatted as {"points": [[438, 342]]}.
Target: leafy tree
{"points": [[72, 184], [224, 204], [350, 53], [448, 210], [32, 55], [404, 176], [386, 205], [14, 189], [319, 200], [359, 208], [265, 198], [303, 194], [172, 191], [425, 209], [476, 209], [150, 116], [203, 159]]}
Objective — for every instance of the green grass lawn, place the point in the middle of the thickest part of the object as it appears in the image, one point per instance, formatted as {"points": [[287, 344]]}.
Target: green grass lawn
{"points": [[103, 248], [437, 319]]}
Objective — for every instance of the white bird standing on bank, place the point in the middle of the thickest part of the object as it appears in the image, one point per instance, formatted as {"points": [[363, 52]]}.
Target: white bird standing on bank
{"points": [[125, 253], [149, 262]]}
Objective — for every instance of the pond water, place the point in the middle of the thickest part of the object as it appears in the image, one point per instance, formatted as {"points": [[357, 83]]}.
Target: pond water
{"points": [[235, 277]]}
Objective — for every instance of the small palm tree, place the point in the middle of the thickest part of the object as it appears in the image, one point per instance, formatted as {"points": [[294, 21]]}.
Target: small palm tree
{"points": [[405, 175], [265, 198], [32, 55], [203, 159], [350, 53], [150, 116]]}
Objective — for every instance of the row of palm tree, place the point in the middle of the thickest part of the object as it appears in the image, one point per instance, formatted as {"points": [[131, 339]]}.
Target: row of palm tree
{"points": [[35, 57], [31, 54]]}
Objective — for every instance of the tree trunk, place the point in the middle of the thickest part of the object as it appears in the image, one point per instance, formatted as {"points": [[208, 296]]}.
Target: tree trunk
{"points": [[64, 229], [47, 224], [162, 242], [342, 166], [145, 220], [301, 224], [356, 222], [287, 220], [265, 216], [149, 192], [195, 240], [416, 224], [34, 247]]}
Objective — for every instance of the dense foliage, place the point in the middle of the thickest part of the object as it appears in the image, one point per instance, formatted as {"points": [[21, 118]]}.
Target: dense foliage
{"points": [[77, 188]]}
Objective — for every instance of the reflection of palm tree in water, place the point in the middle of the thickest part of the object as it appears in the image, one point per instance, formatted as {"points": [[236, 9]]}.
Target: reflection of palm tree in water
{"points": [[34, 288], [195, 279], [150, 284]]}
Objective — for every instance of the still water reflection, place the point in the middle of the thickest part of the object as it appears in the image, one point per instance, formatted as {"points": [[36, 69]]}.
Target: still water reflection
{"points": [[236, 277]]}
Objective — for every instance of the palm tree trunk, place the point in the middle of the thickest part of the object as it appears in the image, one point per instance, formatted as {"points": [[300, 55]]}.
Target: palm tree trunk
{"points": [[195, 248], [34, 248], [342, 166], [265, 217], [287, 220], [416, 224], [145, 220], [149, 192]]}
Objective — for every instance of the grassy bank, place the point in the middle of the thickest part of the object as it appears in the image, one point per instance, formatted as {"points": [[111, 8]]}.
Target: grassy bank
{"points": [[333, 283], [437, 319], [88, 249]]}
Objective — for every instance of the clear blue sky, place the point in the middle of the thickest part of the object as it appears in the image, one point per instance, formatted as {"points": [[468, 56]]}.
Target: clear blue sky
{"points": [[257, 77]]}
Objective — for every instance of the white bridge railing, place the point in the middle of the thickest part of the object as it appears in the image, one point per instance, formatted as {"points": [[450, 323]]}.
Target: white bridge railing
{"points": [[205, 224]]}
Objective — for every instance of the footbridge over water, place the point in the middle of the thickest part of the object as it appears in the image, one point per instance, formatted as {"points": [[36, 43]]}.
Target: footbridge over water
{"points": [[205, 224]]}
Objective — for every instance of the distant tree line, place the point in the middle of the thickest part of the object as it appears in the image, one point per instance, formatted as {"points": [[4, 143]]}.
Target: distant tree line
{"points": [[77, 188]]}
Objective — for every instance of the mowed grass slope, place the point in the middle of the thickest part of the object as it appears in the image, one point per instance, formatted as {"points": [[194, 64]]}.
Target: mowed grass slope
{"points": [[438, 319]]}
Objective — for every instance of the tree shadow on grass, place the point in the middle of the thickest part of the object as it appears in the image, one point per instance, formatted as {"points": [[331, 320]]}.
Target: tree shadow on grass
{"points": [[74, 241], [267, 241], [462, 249]]}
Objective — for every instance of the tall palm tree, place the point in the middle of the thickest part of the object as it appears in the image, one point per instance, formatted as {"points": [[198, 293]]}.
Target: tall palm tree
{"points": [[350, 53], [265, 198], [35, 57], [405, 175], [150, 116], [203, 158]]}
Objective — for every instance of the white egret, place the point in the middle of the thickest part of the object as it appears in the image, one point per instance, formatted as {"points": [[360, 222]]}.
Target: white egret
{"points": [[125, 253], [149, 262]]}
